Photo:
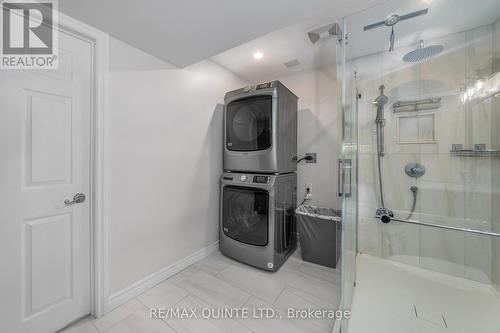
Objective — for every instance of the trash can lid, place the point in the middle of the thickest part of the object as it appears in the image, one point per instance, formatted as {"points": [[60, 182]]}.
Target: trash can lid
{"points": [[319, 212]]}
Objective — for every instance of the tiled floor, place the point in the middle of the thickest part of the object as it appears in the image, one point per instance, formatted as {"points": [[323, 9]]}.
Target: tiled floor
{"points": [[395, 297], [217, 281]]}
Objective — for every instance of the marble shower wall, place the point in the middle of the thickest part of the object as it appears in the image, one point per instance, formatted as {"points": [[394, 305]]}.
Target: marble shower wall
{"points": [[455, 191]]}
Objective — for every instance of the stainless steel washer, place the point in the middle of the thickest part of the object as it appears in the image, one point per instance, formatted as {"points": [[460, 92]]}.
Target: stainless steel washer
{"points": [[260, 129], [257, 220]]}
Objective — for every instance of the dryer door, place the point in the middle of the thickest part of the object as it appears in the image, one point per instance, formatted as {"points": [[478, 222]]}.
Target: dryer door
{"points": [[248, 123], [245, 214]]}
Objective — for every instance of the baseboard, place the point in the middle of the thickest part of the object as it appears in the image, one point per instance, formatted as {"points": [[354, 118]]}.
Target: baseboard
{"points": [[148, 282]]}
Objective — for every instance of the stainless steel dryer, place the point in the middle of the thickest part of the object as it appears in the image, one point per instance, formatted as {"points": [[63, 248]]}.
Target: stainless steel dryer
{"points": [[257, 225], [261, 129]]}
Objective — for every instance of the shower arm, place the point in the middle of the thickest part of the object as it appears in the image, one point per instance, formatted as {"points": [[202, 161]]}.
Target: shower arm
{"points": [[386, 218]]}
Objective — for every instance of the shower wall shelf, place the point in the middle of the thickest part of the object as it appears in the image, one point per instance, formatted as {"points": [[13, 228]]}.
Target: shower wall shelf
{"points": [[417, 105], [476, 153]]}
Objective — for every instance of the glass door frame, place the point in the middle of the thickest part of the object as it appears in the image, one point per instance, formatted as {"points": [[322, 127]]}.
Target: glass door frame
{"points": [[348, 177]]}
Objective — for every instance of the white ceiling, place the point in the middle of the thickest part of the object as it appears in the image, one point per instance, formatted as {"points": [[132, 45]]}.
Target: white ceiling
{"points": [[231, 31], [445, 17], [183, 32], [281, 46], [288, 44]]}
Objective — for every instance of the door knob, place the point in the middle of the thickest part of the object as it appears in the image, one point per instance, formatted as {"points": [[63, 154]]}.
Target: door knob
{"points": [[78, 198]]}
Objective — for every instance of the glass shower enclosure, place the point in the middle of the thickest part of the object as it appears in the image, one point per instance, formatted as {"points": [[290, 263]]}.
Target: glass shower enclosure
{"points": [[421, 167]]}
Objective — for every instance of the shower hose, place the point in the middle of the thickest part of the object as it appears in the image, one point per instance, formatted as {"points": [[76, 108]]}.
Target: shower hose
{"points": [[379, 158], [413, 189]]}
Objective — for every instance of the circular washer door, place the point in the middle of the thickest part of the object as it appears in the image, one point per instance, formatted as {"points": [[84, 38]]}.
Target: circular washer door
{"points": [[245, 214]]}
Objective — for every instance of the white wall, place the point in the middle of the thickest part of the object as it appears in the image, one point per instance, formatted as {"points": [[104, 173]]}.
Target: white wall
{"points": [[164, 152], [318, 132]]}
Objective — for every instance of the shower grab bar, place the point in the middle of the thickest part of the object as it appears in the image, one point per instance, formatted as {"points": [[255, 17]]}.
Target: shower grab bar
{"points": [[439, 226]]}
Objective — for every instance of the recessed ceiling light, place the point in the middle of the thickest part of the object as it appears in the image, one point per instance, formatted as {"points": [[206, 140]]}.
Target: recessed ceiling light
{"points": [[258, 55]]}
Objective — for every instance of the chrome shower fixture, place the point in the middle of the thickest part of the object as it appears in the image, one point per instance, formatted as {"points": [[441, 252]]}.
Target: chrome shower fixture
{"points": [[379, 103], [392, 20], [384, 214], [395, 18], [382, 99], [415, 170], [423, 53], [414, 191], [325, 32], [432, 103]]}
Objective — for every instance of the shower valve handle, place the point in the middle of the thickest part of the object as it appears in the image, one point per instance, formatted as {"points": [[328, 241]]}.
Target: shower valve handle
{"points": [[384, 214]]}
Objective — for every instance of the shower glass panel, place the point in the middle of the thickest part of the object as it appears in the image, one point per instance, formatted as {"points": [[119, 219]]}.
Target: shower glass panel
{"points": [[440, 167]]}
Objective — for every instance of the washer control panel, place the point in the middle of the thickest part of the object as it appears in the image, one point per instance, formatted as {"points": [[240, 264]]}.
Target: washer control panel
{"points": [[248, 178], [261, 179]]}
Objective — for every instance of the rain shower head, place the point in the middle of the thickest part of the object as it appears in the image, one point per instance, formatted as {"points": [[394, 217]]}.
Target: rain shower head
{"points": [[423, 53]]}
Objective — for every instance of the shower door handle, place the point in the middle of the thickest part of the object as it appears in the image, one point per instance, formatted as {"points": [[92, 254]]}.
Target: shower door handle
{"points": [[347, 167], [344, 166], [340, 178]]}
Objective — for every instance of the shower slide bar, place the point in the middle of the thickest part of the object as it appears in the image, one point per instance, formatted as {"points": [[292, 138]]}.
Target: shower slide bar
{"points": [[387, 219]]}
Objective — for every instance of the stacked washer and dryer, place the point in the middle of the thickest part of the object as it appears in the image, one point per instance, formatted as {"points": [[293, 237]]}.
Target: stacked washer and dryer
{"points": [[259, 183]]}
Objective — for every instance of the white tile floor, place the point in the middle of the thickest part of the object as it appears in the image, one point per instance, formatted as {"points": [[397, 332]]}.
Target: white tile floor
{"points": [[392, 297], [217, 281]]}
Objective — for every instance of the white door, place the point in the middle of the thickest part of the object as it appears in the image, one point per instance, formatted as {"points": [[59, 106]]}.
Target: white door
{"points": [[45, 141]]}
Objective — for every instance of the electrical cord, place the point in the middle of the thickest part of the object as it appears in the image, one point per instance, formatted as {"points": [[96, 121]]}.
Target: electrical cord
{"points": [[305, 158], [308, 191], [305, 199]]}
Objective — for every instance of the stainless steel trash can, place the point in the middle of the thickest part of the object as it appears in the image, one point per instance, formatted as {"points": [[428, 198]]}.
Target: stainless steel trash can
{"points": [[320, 234]]}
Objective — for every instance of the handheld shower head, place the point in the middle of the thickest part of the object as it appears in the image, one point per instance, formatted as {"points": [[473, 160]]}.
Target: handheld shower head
{"points": [[382, 99]]}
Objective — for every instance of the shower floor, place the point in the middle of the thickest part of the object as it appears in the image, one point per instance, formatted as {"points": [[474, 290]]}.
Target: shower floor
{"points": [[394, 297]]}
